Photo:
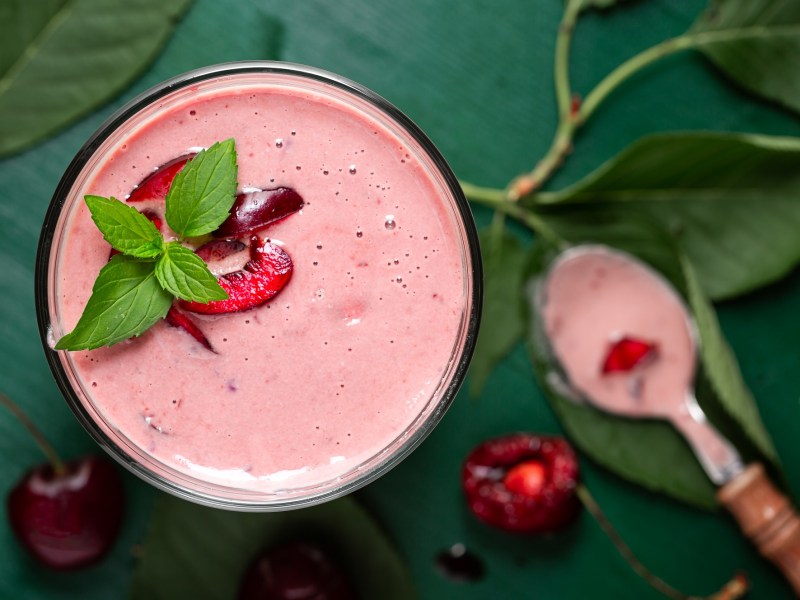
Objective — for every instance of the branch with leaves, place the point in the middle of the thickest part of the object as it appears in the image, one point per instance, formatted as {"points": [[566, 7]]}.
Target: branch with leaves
{"points": [[717, 213]]}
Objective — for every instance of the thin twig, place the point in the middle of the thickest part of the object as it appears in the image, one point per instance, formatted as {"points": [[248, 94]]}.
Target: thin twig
{"points": [[41, 441], [736, 588]]}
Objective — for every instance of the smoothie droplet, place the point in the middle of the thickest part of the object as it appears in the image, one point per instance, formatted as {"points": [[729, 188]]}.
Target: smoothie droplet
{"points": [[352, 169], [390, 223], [279, 143]]}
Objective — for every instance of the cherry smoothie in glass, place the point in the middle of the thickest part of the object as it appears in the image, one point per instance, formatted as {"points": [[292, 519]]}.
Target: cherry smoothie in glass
{"points": [[339, 376]]}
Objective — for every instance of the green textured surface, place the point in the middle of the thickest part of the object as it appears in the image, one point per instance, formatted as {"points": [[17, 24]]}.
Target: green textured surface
{"points": [[476, 76]]}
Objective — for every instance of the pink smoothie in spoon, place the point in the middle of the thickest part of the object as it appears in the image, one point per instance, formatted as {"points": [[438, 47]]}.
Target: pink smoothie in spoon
{"points": [[349, 365], [626, 343], [620, 333]]}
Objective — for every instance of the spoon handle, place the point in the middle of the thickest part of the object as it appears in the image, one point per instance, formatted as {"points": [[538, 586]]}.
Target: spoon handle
{"points": [[767, 517]]}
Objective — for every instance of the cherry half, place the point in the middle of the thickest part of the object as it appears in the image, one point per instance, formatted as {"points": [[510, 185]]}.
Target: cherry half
{"points": [[265, 274], [65, 515], [255, 210], [523, 483], [296, 571], [156, 185]]}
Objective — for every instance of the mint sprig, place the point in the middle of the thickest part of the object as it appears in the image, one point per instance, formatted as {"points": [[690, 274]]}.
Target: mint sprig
{"points": [[136, 289]]}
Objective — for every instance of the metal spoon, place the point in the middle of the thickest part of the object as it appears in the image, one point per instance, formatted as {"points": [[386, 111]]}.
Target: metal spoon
{"points": [[584, 307]]}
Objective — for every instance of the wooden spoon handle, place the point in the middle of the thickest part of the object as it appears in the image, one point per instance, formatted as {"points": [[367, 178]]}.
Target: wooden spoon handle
{"points": [[767, 517]]}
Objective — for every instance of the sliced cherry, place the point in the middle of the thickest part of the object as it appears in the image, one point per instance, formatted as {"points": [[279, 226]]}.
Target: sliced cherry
{"points": [[154, 218], [255, 210], [71, 519], [296, 571], [156, 185], [626, 354], [523, 483], [219, 249], [177, 319], [265, 274]]}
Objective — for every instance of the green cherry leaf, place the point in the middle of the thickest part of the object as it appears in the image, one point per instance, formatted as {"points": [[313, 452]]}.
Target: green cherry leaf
{"points": [[755, 43], [184, 275], [730, 201], [61, 60], [203, 192], [181, 560], [126, 301], [722, 369], [124, 227], [503, 322]]}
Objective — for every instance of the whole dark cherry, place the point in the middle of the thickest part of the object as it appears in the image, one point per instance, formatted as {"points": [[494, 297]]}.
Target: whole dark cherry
{"points": [[523, 483], [70, 519], [296, 571]]}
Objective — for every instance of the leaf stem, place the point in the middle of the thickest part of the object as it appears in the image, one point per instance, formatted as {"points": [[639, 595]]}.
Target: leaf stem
{"points": [[735, 588], [497, 228], [645, 58], [498, 200], [36, 434], [561, 67], [483, 195], [526, 184]]}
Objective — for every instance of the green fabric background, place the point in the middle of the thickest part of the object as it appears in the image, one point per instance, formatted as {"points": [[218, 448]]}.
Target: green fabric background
{"points": [[476, 75]]}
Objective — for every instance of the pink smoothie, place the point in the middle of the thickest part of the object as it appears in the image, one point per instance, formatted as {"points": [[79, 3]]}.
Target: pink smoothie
{"points": [[347, 359]]}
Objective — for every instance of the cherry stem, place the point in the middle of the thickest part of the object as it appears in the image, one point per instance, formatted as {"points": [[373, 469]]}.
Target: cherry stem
{"points": [[735, 588], [36, 434]]}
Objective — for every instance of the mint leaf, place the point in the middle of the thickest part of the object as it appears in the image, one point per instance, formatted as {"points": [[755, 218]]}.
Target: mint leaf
{"points": [[203, 192], [184, 274], [124, 227], [126, 301], [755, 43]]}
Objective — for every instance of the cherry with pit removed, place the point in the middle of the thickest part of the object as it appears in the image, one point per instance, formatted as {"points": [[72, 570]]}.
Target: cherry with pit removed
{"points": [[523, 483], [265, 274], [156, 185], [296, 571], [255, 210], [68, 520]]}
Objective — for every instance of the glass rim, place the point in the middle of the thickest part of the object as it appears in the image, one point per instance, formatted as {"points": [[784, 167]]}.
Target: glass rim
{"points": [[147, 98]]}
